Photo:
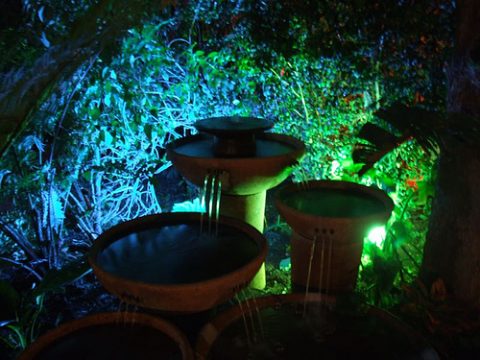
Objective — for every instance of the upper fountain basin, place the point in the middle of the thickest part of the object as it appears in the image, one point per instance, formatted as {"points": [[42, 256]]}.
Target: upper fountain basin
{"points": [[325, 206], [233, 125], [274, 157]]}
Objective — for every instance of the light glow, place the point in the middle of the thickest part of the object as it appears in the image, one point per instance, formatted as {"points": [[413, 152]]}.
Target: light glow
{"points": [[377, 236]]}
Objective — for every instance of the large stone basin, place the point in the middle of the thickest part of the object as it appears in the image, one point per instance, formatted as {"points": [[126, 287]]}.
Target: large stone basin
{"points": [[295, 326], [119, 335], [171, 262]]}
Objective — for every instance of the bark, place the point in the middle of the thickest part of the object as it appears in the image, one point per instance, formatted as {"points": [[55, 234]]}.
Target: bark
{"points": [[452, 249]]}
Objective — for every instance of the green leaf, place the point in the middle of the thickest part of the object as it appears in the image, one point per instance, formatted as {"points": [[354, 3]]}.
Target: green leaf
{"points": [[426, 191], [108, 99], [107, 138], [401, 231], [148, 128], [55, 279]]}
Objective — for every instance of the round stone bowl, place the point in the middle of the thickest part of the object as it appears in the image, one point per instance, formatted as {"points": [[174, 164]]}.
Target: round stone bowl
{"points": [[177, 262], [295, 326], [322, 206], [329, 220], [120, 336], [275, 156]]}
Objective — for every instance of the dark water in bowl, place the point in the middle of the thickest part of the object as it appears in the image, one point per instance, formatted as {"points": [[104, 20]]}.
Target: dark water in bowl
{"points": [[320, 335], [333, 202], [113, 341], [204, 148], [177, 254]]}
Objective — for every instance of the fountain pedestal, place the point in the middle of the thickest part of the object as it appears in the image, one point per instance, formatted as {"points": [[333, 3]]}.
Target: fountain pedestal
{"points": [[245, 171], [329, 220], [335, 271], [249, 208]]}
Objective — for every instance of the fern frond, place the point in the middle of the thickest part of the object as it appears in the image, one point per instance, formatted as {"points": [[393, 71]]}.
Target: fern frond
{"points": [[433, 131]]}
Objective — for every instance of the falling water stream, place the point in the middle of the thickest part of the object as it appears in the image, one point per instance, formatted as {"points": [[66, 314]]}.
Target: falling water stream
{"points": [[245, 323], [210, 200], [307, 287]]}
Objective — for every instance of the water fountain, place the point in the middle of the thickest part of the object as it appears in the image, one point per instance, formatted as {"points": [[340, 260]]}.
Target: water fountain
{"points": [[111, 336], [237, 153], [329, 220], [326, 329], [185, 263]]}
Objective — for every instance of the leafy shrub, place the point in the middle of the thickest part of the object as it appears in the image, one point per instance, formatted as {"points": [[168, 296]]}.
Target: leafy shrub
{"points": [[96, 148]]}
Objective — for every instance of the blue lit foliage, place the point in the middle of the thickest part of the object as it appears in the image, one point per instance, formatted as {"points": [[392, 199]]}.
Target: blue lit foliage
{"points": [[94, 150]]}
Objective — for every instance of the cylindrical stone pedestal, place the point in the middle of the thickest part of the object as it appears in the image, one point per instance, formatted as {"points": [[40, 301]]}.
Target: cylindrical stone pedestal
{"points": [[251, 209], [331, 264]]}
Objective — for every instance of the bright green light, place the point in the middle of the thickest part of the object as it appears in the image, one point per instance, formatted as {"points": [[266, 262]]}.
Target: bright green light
{"points": [[366, 260], [377, 236], [335, 168]]}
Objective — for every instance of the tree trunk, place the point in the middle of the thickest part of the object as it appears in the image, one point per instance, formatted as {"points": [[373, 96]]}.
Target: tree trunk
{"points": [[452, 249]]}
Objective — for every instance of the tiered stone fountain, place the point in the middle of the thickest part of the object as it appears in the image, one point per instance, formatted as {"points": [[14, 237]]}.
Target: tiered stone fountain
{"points": [[244, 159], [185, 263]]}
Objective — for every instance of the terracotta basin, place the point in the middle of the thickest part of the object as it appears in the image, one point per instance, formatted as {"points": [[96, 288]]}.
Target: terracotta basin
{"points": [[341, 222], [290, 327], [329, 220], [167, 262], [120, 335], [240, 176]]}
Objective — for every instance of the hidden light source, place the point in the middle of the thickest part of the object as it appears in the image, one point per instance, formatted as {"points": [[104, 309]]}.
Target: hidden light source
{"points": [[377, 236]]}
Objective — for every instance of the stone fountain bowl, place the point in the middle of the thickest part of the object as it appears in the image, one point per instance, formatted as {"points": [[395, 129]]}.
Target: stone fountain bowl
{"points": [[175, 262], [295, 326], [119, 335], [242, 175], [329, 220], [339, 208]]}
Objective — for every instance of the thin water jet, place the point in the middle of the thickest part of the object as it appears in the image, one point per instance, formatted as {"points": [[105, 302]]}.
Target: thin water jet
{"points": [[307, 287], [245, 323]]}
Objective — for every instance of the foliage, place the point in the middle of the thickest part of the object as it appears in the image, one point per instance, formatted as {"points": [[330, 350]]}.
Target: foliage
{"points": [[95, 29], [189, 206], [278, 280], [433, 131]]}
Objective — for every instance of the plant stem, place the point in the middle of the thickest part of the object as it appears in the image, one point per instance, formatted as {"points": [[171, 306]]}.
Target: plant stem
{"points": [[34, 273]]}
